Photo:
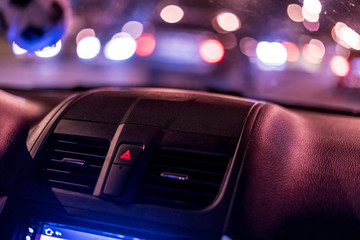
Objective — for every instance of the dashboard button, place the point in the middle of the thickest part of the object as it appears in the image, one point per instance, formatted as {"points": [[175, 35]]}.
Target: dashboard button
{"points": [[127, 154], [116, 180]]}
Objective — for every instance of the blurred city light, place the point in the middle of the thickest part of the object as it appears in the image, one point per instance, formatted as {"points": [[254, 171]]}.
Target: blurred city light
{"points": [[311, 26], [310, 17], [271, 53], [120, 47], [228, 40], [294, 12], [338, 28], [314, 51], [312, 6], [88, 48], [49, 52], [293, 52], [134, 28], [228, 21], [340, 66], [346, 36], [18, 50], [350, 37], [87, 32], [211, 51], [248, 46], [145, 45], [172, 14]]}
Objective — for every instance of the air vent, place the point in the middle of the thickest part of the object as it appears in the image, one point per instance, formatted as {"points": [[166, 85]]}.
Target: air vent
{"points": [[183, 179], [72, 162]]}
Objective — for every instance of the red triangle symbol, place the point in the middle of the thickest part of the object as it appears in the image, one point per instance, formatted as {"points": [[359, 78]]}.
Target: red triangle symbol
{"points": [[126, 155]]}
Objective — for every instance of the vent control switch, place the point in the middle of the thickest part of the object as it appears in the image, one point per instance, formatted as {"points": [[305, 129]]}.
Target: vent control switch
{"points": [[116, 180]]}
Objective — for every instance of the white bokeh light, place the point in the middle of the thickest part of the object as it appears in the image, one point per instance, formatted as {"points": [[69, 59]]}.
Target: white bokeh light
{"points": [[172, 14], [310, 17], [120, 48], [350, 37], [271, 53], [346, 36], [49, 52], [88, 48], [228, 21], [313, 6], [18, 50], [134, 28]]}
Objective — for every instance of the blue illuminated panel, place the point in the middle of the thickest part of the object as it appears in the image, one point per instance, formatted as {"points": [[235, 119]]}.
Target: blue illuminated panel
{"points": [[54, 231]]}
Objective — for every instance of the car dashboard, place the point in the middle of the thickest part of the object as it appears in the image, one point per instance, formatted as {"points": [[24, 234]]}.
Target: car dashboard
{"points": [[174, 164]]}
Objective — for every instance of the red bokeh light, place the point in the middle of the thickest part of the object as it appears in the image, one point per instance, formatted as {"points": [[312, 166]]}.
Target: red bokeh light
{"points": [[211, 51], [340, 66], [145, 44], [293, 52]]}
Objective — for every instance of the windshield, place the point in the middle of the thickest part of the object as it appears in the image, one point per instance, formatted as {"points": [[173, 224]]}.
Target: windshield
{"points": [[291, 52]]}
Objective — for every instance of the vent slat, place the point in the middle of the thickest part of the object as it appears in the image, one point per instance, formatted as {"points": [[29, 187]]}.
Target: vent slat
{"points": [[102, 148], [187, 170], [79, 154], [199, 160], [204, 175], [51, 173], [154, 177], [72, 162]]}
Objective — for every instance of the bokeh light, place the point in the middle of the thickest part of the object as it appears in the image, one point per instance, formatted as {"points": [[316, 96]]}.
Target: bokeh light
{"points": [[211, 51], [294, 12], [18, 50], [271, 53], [293, 52], [88, 48], [248, 46], [120, 47], [228, 21], [340, 66], [134, 28], [312, 6], [146, 44], [311, 26], [338, 28], [310, 17], [314, 51], [346, 36], [51, 51], [172, 14], [350, 37], [87, 32], [228, 40]]}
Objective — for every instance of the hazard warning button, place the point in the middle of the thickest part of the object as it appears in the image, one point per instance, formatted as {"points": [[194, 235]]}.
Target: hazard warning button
{"points": [[127, 154]]}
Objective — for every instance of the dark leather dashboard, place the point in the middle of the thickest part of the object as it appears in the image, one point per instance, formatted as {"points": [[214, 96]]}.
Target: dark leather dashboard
{"points": [[292, 174]]}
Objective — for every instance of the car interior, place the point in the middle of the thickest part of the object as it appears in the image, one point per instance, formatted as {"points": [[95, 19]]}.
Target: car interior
{"points": [[179, 120]]}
